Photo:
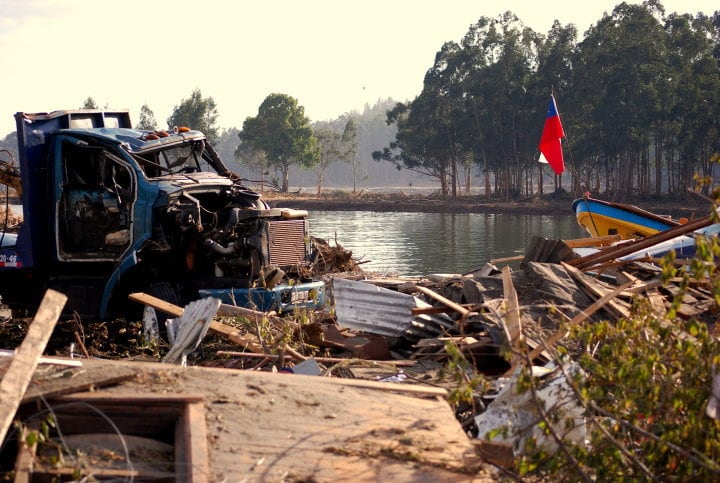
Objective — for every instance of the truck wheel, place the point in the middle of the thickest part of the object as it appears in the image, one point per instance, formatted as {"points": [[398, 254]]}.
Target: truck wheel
{"points": [[163, 291]]}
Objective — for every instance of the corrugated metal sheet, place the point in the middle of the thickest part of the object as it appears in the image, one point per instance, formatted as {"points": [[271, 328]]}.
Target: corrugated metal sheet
{"points": [[368, 308]]}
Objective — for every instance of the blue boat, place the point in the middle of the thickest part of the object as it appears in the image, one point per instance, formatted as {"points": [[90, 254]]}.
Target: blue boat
{"points": [[602, 218]]}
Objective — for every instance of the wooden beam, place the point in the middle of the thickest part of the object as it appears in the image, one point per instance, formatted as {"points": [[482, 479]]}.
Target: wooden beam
{"points": [[511, 321], [592, 241], [22, 367], [331, 360], [515, 258], [232, 334], [464, 313], [594, 307], [595, 292], [628, 248]]}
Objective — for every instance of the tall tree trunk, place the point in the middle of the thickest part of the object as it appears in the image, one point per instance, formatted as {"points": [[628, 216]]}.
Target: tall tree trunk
{"points": [[658, 165], [468, 179], [285, 178], [540, 180]]}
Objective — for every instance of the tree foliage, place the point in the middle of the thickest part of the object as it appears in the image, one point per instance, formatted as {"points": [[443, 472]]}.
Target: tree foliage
{"points": [[283, 132], [89, 103], [147, 120], [196, 112], [638, 96]]}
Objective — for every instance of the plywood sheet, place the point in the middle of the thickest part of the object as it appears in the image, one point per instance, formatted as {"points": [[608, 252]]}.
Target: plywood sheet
{"points": [[269, 427]]}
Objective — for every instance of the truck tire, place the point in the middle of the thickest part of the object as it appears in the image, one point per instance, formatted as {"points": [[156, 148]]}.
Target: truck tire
{"points": [[166, 292]]}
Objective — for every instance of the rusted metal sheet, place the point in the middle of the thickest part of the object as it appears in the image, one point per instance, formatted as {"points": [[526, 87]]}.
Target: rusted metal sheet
{"points": [[368, 308]]}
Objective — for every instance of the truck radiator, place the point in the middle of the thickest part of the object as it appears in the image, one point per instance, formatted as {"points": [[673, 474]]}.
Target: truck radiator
{"points": [[287, 242]]}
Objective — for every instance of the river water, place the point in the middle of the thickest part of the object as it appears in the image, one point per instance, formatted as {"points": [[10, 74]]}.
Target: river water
{"points": [[413, 244]]}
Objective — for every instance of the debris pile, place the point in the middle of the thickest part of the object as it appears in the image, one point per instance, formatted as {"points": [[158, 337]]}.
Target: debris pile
{"points": [[404, 338]]}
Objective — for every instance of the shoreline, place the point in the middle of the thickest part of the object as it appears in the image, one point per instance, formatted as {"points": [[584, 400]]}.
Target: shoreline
{"points": [[472, 204]]}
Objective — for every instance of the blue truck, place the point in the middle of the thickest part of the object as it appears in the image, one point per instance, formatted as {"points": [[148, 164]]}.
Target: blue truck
{"points": [[109, 210]]}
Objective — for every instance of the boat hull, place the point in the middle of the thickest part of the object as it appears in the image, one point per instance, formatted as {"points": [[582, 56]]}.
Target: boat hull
{"points": [[601, 218]]}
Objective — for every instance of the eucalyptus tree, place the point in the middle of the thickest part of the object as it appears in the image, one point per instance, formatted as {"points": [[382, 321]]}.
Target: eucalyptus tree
{"points": [[500, 56], [416, 144], [427, 140], [255, 160], [196, 112], [283, 132], [349, 140], [697, 75], [89, 103], [621, 69], [147, 120], [330, 150]]}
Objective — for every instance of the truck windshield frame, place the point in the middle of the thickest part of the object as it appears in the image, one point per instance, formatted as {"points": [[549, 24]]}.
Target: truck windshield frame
{"points": [[176, 159]]}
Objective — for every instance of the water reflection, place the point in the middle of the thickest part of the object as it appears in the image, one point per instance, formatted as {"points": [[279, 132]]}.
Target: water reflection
{"points": [[423, 243]]}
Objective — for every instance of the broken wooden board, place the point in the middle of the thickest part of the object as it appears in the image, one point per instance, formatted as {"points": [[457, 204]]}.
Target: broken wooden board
{"points": [[464, 313], [167, 432], [232, 334], [594, 289], [53, 381], [612, 253], [270, 427], [511, 320], [22, 367]]}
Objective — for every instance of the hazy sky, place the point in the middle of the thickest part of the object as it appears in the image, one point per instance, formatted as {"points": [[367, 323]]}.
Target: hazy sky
{"points": [[332, 56]]}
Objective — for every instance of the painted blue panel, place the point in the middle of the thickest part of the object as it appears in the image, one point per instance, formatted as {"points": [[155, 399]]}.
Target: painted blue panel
{"points": [[283, 298]]}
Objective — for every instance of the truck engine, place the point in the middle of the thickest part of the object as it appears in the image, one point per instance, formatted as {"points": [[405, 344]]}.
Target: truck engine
{"points": [[228, 237]]}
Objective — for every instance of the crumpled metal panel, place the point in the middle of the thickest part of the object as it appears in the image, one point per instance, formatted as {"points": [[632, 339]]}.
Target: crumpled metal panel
{"points": [[368, 308]]}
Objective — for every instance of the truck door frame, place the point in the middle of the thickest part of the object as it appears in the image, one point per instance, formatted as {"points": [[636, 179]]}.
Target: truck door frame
{"points": [[109, 246]]}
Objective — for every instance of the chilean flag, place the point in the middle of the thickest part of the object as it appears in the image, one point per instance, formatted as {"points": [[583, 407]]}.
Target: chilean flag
{"points": [[550, 147]]}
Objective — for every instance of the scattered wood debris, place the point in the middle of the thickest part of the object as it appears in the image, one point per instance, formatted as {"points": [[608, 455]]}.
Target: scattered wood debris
{"points": [[271, 421]]}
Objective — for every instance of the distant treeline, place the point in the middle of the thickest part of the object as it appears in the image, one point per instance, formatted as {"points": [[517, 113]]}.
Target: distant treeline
{"points": [[639, 98]]}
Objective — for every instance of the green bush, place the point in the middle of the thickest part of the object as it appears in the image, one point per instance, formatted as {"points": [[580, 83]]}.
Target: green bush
{"points": [[646, 384]]}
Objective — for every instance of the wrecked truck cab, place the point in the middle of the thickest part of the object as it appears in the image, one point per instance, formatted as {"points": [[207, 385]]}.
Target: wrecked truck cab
{"points": [[110, 210]]}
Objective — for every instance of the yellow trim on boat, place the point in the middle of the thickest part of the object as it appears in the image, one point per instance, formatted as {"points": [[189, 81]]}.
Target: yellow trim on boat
{"points": [[601, 225]]}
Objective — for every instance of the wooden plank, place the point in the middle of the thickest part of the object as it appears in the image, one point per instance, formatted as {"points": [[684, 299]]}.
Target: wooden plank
{"points": [[464, 313], [387, 386], [22, 367], [594, 290], [331, 360], [57, 361], [516, 258], [25, 459], [226, 310], [511, 321], [236, 336], [157, 303], [628, 248], [232, 334], [191, 445], [586, 313], [592, 241], [67, 381], [266, 426]]}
